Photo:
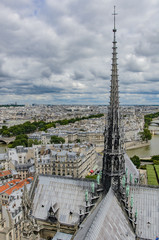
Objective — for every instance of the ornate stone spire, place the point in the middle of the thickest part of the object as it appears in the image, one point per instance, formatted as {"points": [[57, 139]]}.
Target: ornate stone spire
{"points": [[113, 159]]}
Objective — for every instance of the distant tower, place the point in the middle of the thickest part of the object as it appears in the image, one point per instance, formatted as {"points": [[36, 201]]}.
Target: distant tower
{"points": [[113, 159]]}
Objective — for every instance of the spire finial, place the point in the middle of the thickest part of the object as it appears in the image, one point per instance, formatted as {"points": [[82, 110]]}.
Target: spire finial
{"points": [[114, 17]]}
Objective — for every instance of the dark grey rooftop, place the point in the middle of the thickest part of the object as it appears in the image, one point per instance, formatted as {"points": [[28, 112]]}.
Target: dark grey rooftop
{"points": [[62, 236], [146, 202], [66, 193], [131, 168], [108, 221]]}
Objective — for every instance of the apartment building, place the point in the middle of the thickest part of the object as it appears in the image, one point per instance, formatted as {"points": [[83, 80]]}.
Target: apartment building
{"points": [[68, 160], [11, 214]]}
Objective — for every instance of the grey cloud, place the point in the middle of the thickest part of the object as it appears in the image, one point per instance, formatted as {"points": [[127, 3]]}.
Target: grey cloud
{"points": [[153, 79], [78, 75], [63, 48], [30, 90], [133, 67]]}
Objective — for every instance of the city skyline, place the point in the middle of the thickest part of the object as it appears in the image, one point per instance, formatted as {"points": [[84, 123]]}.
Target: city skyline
{"points": [[51, 52]]}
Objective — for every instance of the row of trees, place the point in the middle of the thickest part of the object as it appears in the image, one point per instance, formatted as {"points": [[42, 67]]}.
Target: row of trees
{"points": [[137, 161], [148, 118], [23, 140], [25, 128], [29, 127], [155, 159]]}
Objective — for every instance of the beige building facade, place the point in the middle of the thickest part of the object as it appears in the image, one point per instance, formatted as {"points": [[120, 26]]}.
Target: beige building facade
{"points": [[75, 162]]}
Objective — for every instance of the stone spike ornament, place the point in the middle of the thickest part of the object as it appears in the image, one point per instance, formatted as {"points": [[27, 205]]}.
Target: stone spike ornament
{"points": [[113, 159]]}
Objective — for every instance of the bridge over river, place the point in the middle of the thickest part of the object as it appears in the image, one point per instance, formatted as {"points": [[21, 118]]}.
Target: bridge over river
{"points": [[154, 127], [155, 123], [7, 140]]}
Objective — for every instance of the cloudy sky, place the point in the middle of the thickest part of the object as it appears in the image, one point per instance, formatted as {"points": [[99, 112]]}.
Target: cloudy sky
{"points": [[59, 51]]}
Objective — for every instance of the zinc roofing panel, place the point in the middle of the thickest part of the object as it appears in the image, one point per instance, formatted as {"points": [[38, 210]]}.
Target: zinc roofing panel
{"points": [[108, 221], [146, 202], [69, 194]]}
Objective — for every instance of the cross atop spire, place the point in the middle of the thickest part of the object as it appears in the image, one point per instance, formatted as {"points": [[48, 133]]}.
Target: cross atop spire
{"points": [[114, 30]]}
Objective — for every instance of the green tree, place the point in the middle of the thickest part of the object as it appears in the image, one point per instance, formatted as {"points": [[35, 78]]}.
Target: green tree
{"points": [[146, 135], [30, 142], [6, 133], [155, 157], [156, 162], [4, 127], [35, 142], [56, 139], [136, 161], [22, 136], [21, 140]]}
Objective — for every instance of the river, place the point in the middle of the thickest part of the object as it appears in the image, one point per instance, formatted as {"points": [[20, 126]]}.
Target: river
{"points": [[147, 151]]}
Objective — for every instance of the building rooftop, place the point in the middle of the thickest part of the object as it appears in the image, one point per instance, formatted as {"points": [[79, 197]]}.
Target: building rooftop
{"points": [[131, 168], [108, 221], [62, 236], [65, 195], [5, 173], [146, 202], [14, 185]]}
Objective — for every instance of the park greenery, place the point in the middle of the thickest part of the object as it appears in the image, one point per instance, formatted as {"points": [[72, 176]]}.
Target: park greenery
{"points": [[91, 177], [155, 159], [157, 170], [23, 140], [136, 161], [152, 170], [151, 175], [29, 127]]}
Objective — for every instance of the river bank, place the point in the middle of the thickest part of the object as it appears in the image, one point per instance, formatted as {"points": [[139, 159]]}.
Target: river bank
{"points": [[146, 151], [135, 144]]}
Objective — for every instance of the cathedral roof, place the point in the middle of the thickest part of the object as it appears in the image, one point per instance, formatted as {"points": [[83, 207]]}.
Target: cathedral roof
{"points": [[146, 202], [108, 221], [62, 236], [66, 194], [131, 168]]}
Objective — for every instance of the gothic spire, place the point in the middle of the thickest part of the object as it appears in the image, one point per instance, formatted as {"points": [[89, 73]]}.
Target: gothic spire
{"points": [[114, 97], [113, 159]]}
